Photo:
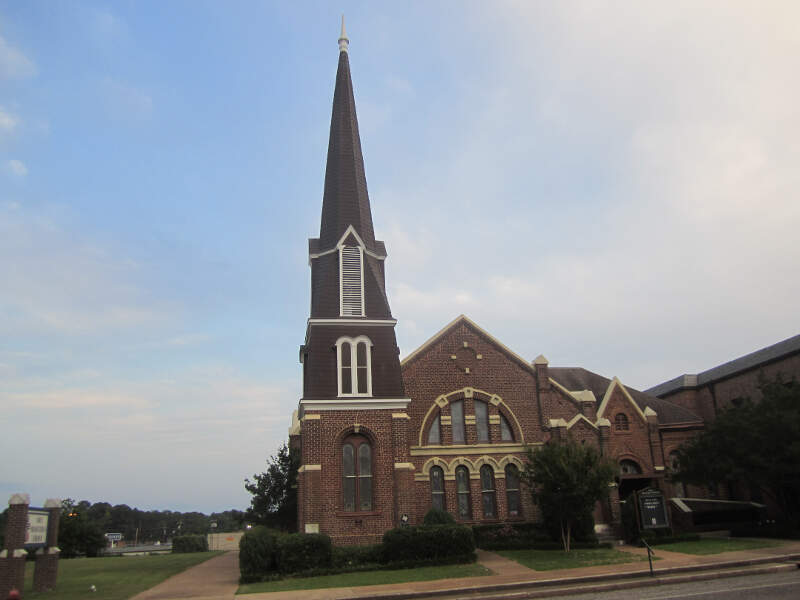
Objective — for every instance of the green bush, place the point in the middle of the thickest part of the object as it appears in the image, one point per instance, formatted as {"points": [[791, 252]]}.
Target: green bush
{"points": [[344, 557], [510, 536], [780, 530], [258, 554], [656, 537], [428, 543], [436, 516], [189, 543], [300, 552]]}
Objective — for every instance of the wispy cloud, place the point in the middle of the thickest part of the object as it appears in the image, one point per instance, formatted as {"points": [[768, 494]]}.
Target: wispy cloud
{"points": [[126, 101], [8, 122], [17, 167], [13, 63]]}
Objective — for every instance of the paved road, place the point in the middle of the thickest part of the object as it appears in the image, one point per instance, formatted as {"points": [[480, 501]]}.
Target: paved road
{"points": [[773, 586]]}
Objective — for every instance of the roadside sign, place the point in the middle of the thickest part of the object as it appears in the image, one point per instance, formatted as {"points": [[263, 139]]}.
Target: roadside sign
{"points": [[36, 529], [113, 537], [652, 509]]}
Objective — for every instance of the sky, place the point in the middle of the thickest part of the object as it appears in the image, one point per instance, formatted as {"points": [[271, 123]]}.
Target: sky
{"points": [[613, 185]]}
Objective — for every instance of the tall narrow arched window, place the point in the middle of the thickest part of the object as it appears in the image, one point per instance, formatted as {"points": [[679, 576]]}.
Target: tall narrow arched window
{"points": [[437, 488], [462, 492], [488, 499], [506, 433], [457, 421], [354, 360], [482, 421], [351, 281], [435, 432], [512, 491], [621, 422], [356, 474], [346, 368]]}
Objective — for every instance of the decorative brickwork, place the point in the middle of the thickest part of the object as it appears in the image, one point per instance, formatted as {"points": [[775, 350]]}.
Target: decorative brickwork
{"points": [[12, 557]]}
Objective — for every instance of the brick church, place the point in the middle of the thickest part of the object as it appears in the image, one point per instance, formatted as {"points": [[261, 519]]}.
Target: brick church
{"points": [[384, 440]]}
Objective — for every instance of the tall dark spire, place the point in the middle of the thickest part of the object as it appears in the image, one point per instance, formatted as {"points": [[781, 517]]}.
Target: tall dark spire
{"points": [[345, 201]]}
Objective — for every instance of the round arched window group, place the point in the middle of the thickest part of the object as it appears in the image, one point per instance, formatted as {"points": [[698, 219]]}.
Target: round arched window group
{"points": [[488, 491]]}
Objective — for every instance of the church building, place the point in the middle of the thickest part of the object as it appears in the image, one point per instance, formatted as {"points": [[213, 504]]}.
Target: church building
{"points": [[383, 440]]}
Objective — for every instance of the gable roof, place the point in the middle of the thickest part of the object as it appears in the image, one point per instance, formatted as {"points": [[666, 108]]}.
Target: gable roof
{"points": [[477, 329], [578, 378]]}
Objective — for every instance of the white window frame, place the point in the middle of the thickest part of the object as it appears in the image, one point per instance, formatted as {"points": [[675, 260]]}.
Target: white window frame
{"points": [[354, 365], [341, 280]]}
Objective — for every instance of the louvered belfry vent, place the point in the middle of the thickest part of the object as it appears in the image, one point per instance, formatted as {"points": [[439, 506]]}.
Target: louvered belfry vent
{"points": [[352, 288]]}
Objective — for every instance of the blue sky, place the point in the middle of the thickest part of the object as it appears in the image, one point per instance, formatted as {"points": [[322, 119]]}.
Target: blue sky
{"points": [[613, 186]]}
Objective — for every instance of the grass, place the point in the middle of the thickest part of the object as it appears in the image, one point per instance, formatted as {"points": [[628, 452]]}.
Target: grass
{"points": [[116, 578], [365, 578], [547, 560], [716, 545]]}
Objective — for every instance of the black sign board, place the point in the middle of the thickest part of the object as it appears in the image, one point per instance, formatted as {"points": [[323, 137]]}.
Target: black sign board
{"points": [[652, 509]]}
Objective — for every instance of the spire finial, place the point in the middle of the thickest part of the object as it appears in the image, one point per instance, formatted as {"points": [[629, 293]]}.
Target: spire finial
{"points": [[344, 42]]}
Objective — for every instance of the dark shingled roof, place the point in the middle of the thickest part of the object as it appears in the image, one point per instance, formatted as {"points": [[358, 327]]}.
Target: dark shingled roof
{"points": [[728, 369], [578, 378], [345, 201]]}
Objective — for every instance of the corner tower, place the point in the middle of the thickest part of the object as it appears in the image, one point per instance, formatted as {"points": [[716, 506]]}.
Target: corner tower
{"points": [[352, 415]]}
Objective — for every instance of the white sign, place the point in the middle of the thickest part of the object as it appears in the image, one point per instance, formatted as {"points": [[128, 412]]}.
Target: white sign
{"points": [[114, 537], [36, 531]]}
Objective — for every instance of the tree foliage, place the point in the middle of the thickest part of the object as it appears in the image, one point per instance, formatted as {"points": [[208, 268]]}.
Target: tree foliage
{"points": [[756, 443], [566, 479], [274, 501]]}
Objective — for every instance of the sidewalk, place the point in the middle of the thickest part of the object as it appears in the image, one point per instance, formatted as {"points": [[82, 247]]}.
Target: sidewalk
{"points": [[217, 579], [510, 575], [214, 579]]}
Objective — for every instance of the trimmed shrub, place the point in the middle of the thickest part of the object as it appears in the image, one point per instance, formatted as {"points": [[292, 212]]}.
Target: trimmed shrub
{"points": [[189, 543], [436, 516], [770, 529], [301, 552], [428, 543], [345, 557], [510, 536], [655, 537], [258, 553]]}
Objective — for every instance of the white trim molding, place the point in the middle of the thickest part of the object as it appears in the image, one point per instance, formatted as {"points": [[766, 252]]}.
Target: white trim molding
{"points": [[354, 366], [356, 404], [348, 321]]}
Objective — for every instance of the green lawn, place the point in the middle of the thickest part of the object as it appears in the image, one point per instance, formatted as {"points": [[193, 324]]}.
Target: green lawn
{"points": [[547, 560], [115, 577], [716, 545], [365, 578]]}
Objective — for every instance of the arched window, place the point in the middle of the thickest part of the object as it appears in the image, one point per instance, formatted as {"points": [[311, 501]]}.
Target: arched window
{"points": [[462, 491], [512, 491], [354, 360], [621, 422], [629, 467], [356, 474], [506, 433], [437, 488], [482, 421], [435, 432], [487, 493], [457, 421]]}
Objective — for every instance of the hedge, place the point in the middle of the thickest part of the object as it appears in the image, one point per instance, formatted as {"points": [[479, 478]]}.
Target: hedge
{"points": [[428, 543], [266, 554], [258, 553], [189, 543]]}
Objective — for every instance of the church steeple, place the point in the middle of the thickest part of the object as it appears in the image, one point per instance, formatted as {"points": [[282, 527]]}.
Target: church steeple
{"points": [[350, 351], [345, 201]]}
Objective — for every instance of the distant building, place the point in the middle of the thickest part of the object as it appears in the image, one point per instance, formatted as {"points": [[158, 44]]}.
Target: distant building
{"points": [[381, 440]]}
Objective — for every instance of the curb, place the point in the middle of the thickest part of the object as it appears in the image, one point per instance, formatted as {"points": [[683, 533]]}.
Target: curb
{"points": [[639, 578]]}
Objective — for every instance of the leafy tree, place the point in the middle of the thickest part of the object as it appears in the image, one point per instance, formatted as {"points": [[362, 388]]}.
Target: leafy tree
{"points": [[274, 501], [77, 535], [566, 479], [754, 443]]}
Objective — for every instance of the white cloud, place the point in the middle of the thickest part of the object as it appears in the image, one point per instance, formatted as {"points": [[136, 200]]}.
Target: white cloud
{"points": [[13, 63], [17, 167], [57, 282], [125, 101], [8, 122]]}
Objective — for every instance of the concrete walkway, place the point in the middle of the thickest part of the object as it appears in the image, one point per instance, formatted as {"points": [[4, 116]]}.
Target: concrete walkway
{"points": [[214, 579], [217, 579]]}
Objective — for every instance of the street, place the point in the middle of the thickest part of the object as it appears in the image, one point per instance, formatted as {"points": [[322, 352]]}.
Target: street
{"points": [[773, 586]]}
